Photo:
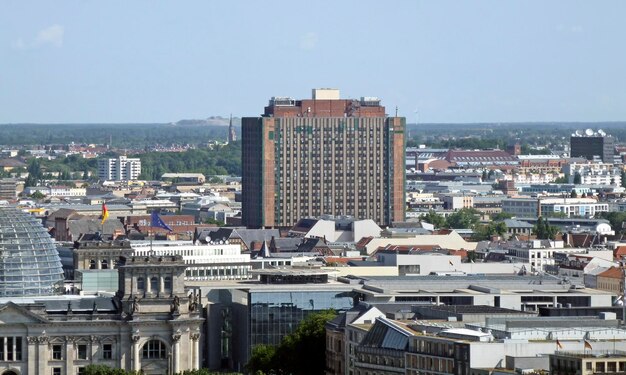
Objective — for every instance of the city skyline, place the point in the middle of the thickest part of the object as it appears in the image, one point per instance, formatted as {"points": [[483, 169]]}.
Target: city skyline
{"points": [[483, 61]]}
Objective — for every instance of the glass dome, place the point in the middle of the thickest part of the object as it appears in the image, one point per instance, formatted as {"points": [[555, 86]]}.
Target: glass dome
{"points": [[29, 261]]}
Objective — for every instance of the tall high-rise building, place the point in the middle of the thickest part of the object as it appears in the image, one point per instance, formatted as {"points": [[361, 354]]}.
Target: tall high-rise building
{"points": [[589, 144], [325, 155], [119, 169]]}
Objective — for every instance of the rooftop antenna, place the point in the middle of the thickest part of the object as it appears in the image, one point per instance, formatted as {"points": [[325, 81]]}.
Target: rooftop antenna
{"points": [[396, 111]]}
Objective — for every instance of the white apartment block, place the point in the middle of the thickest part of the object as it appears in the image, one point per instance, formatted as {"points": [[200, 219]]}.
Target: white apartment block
{"points": [[571, 207], [582, 207], [57, 191], [204, 262], [594, 173], [120, 169]]}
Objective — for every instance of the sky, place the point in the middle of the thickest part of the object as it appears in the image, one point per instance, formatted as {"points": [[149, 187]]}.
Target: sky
{"points": [[437, 61]]}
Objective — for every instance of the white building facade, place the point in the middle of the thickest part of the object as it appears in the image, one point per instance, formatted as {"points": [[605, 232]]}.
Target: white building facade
{"points": [[120, 169]]}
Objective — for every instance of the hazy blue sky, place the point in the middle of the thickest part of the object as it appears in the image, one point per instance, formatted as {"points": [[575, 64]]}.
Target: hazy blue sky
{"points": [[451, 61]]}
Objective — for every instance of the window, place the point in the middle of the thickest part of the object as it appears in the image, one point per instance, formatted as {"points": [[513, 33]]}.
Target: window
{"points": [[81, 352], [80, 371], [56, 371], [154, 284], [154, 349], [140, 284], [57, 351], [10, 348], [107, 351], [167, 284]]}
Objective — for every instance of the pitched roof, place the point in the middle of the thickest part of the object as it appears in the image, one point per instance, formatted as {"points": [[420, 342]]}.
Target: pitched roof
{"points": [[612, 273], [12, 163], [619, 252], [250, 236]]}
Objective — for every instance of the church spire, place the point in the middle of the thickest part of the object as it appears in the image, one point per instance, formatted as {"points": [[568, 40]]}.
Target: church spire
{"points": [[232, 137]]}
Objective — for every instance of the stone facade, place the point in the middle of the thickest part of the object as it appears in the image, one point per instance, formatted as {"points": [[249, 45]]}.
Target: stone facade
{"points": [[150, 325]]}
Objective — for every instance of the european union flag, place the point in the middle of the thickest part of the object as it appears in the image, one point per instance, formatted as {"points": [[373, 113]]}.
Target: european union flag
{"points": [[157, 222]]}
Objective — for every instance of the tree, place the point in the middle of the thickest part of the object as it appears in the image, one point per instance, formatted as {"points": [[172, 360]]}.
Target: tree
{"points": [[204, 371], [616, 219], [301, 352], [106, 370], [262, 359], [434, 218], [577, 178], [485, 232], [501, 216], [573, 194], [544, 231], [37, 195], [213, 221], [465, 218], [624, 179]]}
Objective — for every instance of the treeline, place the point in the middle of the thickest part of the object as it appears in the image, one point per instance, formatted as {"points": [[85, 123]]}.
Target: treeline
{"points": [[221, 160], [224, 160], [121, 135]]}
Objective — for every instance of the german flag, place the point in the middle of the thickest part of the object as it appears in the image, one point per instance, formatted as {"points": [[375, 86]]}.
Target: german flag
{"points": [[588, 345], [558, 344], [105, 213]]}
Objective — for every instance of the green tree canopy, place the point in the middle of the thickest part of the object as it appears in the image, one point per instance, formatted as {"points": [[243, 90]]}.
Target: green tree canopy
{"points": [[485, 232], [465, 218], [543, 230], [501, 216], [301, 352], [434, 218]]}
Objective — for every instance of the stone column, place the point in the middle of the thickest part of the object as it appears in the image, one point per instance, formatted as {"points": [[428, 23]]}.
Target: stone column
{"points": [[42, 359], [147, 284], [32, 355], [176, 353], [70, 345], [136, 363], [195, 351], [161, 285], [94, 344]]}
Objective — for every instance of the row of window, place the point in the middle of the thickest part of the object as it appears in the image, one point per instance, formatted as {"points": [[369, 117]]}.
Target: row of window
{"points": [[81, 352], [154, 284]]}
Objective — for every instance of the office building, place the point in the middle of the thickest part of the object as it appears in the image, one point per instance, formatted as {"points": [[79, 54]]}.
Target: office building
{"points": [[589, 144], [326, 155], [119, 169]]}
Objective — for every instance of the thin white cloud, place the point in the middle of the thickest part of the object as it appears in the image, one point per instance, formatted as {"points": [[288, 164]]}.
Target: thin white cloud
{"points": [[308, 41], [51, 36]]}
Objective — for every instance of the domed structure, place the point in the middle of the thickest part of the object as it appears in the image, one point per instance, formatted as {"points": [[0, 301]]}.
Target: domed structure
{"points": [[29, 261]]}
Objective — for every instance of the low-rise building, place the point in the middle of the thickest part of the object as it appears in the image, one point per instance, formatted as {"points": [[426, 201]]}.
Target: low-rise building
{"points": [[587, 362]]}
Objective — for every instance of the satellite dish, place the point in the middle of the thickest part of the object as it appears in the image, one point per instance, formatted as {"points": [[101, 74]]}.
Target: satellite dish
{"points": [[601, 132], [589, 132], [579, 133]]}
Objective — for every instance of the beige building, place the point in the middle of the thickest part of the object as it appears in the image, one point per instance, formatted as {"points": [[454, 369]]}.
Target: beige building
{"points": [[150, 325], [587, 362], [611, 280]]}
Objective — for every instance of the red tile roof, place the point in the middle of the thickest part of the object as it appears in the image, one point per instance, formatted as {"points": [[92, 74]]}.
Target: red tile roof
{"points": [[612, 273]]}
